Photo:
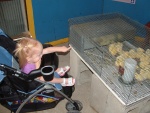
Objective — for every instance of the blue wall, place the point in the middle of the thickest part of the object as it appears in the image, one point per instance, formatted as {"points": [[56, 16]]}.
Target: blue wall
{"points": [[139, 11], [51, 16]]}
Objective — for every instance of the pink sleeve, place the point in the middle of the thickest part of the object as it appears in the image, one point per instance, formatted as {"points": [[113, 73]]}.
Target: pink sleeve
{"points": [[28, 68]]}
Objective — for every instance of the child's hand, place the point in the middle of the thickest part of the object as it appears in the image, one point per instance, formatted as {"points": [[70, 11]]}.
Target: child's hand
{"points": [[65, 49], [56, 49]]}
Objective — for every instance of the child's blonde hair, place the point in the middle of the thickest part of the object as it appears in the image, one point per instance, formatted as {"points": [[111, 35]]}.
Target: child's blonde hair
{"points": [[25, 48]]}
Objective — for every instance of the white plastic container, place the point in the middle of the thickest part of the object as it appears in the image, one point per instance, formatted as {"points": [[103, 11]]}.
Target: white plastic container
{"points": [[129, 70]]}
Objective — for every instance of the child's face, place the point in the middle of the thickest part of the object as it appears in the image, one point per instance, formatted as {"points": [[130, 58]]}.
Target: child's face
{"points": [[37, 54]]}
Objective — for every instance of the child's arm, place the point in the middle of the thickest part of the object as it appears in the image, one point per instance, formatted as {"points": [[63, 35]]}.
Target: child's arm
{"points": [[56, 49]]}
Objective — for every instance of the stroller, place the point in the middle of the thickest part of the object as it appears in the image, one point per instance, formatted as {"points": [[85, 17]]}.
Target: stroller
{"points": [[20, 92]]}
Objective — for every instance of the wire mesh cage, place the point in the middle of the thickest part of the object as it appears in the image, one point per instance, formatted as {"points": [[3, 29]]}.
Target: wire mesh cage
{"points": [[105, 42]]}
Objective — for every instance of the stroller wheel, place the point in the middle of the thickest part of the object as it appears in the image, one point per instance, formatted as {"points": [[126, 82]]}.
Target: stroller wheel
{"points": [[76, 106], [74, 111]]}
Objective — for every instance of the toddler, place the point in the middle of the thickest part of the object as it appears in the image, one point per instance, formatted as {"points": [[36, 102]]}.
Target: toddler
{"points": [[30, 51]]}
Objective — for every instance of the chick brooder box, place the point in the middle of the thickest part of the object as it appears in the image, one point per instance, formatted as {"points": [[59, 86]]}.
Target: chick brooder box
{"points": [[105, 41]]}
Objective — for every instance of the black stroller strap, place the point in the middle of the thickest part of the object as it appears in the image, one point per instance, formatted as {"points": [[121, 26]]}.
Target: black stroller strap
{"points": [[7, 98]]}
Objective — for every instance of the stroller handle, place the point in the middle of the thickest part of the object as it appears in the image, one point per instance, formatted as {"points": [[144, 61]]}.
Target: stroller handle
{"points": [[47, 72], [4, 67]]}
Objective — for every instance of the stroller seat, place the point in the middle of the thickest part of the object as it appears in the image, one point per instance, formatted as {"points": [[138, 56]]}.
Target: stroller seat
{"points": [[14, 90], [19, 93]]}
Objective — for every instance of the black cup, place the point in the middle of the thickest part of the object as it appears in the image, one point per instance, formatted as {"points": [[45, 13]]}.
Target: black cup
{"points": [[47, 72]]}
